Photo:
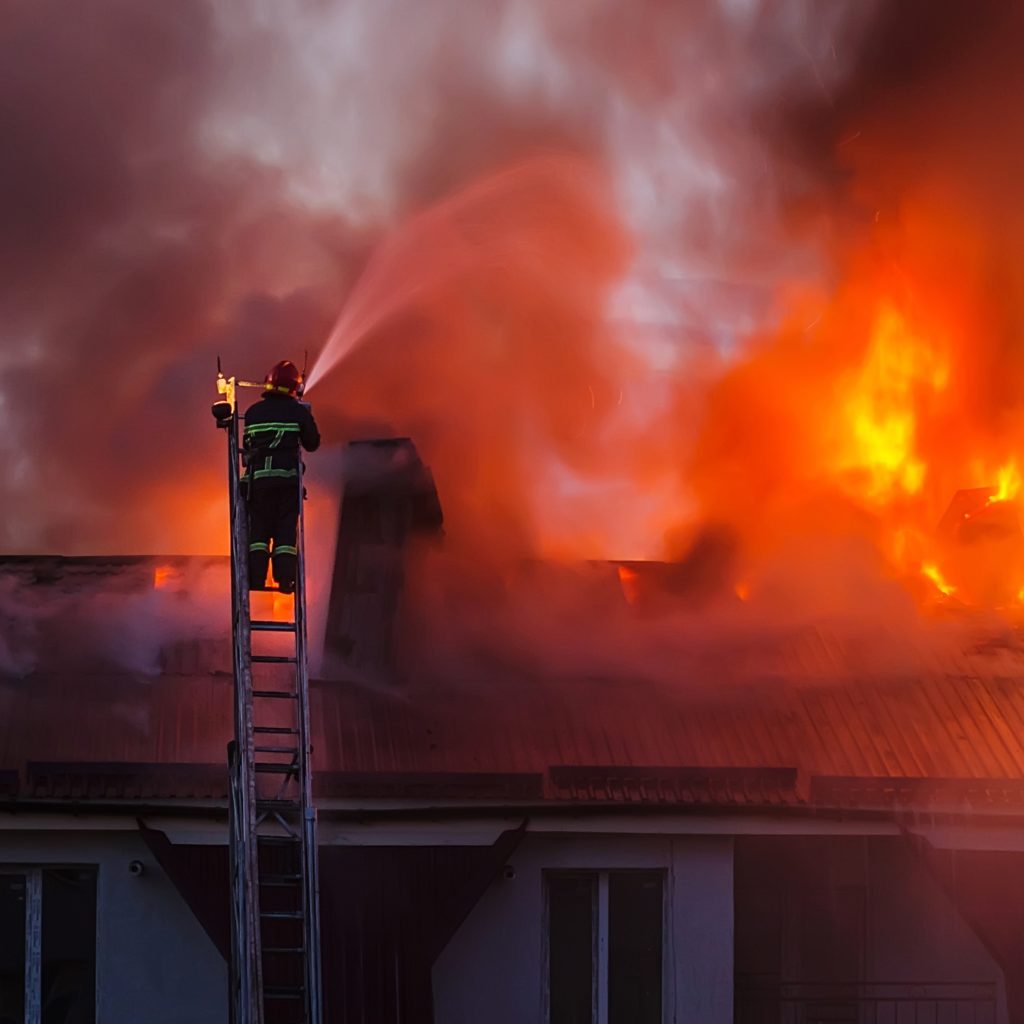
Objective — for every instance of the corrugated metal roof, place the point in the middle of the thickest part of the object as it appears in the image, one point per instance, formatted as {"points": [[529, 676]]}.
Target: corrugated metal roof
{"points": [[941, 726], [816, 702], [604, 742]]}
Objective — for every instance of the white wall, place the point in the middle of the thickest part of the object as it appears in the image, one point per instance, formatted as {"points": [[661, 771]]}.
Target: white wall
{"points": [[154, 962], [493, 969], [702, 917]]}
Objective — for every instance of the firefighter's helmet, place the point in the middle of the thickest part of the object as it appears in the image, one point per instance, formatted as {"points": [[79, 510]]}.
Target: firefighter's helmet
{"points": [[284, 378]]}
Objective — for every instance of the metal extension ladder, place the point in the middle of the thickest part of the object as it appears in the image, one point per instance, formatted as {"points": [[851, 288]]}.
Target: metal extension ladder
{"points": [[275, 924]]}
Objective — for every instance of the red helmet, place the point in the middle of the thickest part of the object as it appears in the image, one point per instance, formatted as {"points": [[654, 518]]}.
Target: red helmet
{"points": [[284, 377]]}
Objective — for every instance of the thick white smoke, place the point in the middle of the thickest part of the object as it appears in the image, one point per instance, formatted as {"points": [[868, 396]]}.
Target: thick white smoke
{"points": [[376, 112], [373, 109], [206, 178]]}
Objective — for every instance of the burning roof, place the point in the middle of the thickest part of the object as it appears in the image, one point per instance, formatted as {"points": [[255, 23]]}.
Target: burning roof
{"points": [[946, 739], [809, 718]]}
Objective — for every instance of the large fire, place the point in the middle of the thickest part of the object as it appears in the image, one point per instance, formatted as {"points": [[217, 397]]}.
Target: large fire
{"points": [[873, 427], [860, 418], [885, 408], [881, 406]]}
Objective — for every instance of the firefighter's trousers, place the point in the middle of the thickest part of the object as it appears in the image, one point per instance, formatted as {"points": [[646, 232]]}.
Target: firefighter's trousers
{"points": [[273, 526]]}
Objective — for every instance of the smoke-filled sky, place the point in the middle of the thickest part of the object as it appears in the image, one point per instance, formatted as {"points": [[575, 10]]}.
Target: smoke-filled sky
{"points": [[182, 180]]}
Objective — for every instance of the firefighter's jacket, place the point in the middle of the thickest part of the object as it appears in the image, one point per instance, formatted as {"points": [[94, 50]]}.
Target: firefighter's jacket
{"points": [[275, 427]]}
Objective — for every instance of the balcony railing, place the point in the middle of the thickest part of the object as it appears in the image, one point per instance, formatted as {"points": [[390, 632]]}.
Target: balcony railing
{"points": [[763, 1002]]}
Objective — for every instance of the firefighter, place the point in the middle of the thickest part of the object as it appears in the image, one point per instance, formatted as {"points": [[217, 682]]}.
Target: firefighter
{"points": [[275, 427]]}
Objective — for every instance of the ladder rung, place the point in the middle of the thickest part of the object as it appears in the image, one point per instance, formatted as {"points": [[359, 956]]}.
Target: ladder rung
{"points": [[277, 804], [269, 626], [279, 992], [282, 915], [284, 949], [277, 769], [274, 659], [281, 881], [272, 816], [278, 840], [276, 750], [275, 693]]}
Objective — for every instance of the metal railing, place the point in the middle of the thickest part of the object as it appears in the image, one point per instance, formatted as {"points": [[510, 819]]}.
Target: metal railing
{"points": [[764, 1002]]}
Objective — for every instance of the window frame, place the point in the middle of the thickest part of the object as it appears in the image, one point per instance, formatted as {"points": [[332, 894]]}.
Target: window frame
{"points": [[600, 935], [33, 967]]}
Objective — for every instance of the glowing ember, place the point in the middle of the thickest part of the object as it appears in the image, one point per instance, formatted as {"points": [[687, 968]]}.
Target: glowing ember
{"points": [[742, 590], [166, 576], [629, 581]]}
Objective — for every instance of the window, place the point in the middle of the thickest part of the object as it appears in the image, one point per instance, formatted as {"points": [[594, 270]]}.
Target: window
{"points": [[604, 947], [47, 946]]}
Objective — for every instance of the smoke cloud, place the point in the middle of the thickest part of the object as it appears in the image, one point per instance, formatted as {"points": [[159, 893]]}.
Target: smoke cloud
{"points": [[682, 230], [200, 179], [114, 620]]}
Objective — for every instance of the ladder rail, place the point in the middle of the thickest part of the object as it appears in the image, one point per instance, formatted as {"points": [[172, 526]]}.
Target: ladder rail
{"points": [[261, 818], [248, 1006], [241, 988], [310, 848]]}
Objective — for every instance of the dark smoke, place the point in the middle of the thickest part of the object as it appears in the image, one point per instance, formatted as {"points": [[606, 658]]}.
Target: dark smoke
{"points": [[925, 104], [130, 256], [184, 180]]}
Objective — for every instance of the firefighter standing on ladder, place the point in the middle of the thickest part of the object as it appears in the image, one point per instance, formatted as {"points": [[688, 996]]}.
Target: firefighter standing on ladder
{"points": [[275, 427]]}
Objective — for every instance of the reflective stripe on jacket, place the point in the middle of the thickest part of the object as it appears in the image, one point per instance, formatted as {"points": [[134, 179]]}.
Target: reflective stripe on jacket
{"points": [[275, 428]]}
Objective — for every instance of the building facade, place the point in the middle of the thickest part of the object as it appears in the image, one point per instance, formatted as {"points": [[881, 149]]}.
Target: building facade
{"points": [[814, 846]]}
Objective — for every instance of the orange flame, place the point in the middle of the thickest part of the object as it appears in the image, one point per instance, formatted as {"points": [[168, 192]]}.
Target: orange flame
{"points": [[282, 608], [933, 573], [1008, 483], [270, 605], [878, 453], [164, 576], [629, 581]]}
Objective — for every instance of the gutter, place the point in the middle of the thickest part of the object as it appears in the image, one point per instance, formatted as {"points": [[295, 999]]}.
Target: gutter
{"points": [[361, 814]]}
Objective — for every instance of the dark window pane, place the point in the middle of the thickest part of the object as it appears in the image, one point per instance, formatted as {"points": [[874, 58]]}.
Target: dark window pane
{"points": [[634, 947], [571, 948], [12, 949], [69, 946]]}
